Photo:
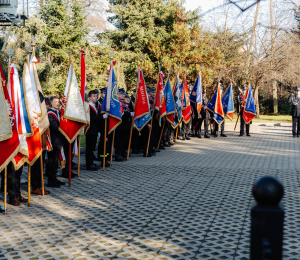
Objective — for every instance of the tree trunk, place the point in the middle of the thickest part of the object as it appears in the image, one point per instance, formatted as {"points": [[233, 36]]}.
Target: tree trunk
{"points": [[256, 101], [274, 82]]}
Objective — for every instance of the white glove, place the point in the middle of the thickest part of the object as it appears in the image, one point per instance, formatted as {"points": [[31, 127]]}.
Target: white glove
{"points": [[105, 116], [98, 135], [132, 114]]}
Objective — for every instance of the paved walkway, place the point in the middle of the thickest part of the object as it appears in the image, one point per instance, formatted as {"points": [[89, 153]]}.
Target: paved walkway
{"points": [[192, 201]]}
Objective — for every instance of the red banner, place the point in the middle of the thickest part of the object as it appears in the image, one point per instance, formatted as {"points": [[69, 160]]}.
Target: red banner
{"points": [[186, 113]]}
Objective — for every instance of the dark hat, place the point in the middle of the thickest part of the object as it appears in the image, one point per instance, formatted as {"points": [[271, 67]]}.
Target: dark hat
{"points": [[203, 91], [148, 91], [97, 91], [153, 90], [134, 90], [244, 88], [126, 95], [103, 90], [297, 89], [122, 91]]}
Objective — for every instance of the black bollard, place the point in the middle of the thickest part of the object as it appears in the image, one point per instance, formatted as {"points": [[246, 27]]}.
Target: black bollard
{"points": [[267, 216]]}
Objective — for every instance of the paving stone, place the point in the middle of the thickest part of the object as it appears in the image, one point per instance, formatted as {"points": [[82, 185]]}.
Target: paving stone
{"points": [[191, 202]]}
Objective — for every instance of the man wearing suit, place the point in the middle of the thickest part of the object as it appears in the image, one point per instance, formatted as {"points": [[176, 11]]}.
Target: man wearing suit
{"points": [[92, 133], [204, 117], [57, 143], [294, 100], [240, 113]]}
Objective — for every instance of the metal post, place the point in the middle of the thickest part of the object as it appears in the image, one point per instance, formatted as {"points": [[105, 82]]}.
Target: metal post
{"points": [[267, 215]]}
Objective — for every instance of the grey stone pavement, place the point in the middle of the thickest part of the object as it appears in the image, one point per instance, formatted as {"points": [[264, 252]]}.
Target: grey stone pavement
{"points": [[192, 201]]}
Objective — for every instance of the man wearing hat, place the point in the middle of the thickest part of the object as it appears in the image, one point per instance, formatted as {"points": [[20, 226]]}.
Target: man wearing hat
{"points": [[204, 116], [294, 100], [240, 113], [223, 123], [133, 96]]}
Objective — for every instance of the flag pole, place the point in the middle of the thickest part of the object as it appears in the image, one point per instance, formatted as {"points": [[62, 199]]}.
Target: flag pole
{"points": [[104, 145], [29, 184], [131, 129], [78, 168], [160, 63], [112, 148], [161, 133], [176, 134], [42, 175], [5, 189], [70, 146]]}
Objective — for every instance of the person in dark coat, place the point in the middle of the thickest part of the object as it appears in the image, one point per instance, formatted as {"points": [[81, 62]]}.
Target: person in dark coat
{"points": [[294, 101], [102, 96], [240, 108], [57, 143], [222, 124], [204, 117], [92, 133]]}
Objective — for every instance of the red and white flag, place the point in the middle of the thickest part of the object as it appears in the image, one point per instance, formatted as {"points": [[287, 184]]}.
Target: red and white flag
{"points": [[160, 102], [34, 138], [9, 138], [84, 91], [73, 117]]}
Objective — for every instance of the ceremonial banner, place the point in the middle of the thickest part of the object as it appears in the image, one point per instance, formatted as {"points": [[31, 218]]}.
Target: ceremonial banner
{"points": [[170, 104], [160, 103], [186, 111], [84, 91], [38, 96], [227, 103], [183, 99], [215, 106], [22, 121], [249, 106], [73, 116], [10, 145], [196, 95], [111, 103], [142, 113], [33, 137], [177, 99]]}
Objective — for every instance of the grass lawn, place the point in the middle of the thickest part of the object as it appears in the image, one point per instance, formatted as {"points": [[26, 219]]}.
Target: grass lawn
{"points": [[270, 119]]}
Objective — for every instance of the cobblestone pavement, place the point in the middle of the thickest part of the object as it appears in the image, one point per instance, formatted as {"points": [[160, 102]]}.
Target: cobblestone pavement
{"points": [[192, 201]]}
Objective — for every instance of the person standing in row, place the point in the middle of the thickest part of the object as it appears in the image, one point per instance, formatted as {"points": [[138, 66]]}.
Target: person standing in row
{"points": [[204, 117], [294, 101], [240, 110]]}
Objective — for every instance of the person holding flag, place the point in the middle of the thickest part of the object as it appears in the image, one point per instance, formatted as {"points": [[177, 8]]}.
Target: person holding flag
{"points": [[111, 108], [246, 109], [186, 110], [204, 116], [223, 123], [215, 106], [196, 104]]}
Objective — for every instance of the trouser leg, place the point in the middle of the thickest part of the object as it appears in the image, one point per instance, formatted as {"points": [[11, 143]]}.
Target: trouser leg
{"points": [[248, 129], [242, 125], [36, 178], [52, 165], [91, 141]]}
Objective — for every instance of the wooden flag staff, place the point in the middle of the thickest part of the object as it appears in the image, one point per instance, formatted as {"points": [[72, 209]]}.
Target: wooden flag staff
{"points": [[5, 189], [132, 121], [160, 63], [162, 130]]}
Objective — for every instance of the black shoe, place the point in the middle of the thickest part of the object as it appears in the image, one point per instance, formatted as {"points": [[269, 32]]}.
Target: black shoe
{"points": [[248, 135], [223, 135], [92, 168], [206, 136], [187, 138], [215, 135], [199, 136], [135, 152], [166, 145], [171, 143], [53, 185], [148, 155], [59, 182], [157, 150], [193, 135], [241, 134], [119, 159], [161, 147], [95, 165], [107, 164], [74, 166], [66, 175], [153, 153]]}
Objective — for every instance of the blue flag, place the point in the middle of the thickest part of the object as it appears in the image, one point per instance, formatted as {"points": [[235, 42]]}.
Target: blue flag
{"points": [[111, 103], [227, 102], [196, 95], [177, 100], [170, 103], [249, 103], [215, 106]]}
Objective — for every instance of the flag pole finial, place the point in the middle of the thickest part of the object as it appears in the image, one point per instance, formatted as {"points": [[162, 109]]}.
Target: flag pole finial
{"points": [[10, 53], [70, 58], [33, 44]]}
